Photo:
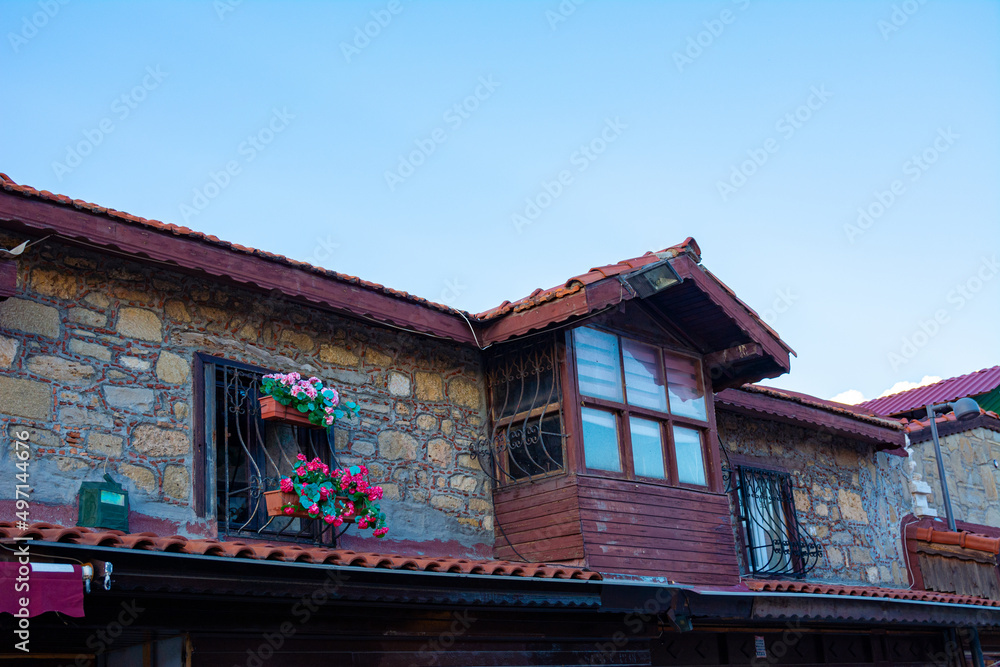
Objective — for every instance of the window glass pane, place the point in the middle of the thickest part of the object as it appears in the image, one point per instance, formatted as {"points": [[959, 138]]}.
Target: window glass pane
{"points": [[647, 450], [644, 376], [597, 364], [600, 440], [685, 386], [690, 462]]}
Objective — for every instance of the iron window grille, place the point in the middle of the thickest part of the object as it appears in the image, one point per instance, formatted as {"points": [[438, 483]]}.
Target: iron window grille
{"points": [[248, 456], [527, 439], [775, 543]]}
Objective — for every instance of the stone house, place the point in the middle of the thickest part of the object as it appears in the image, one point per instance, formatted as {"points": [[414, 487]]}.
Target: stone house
{"points": [[586, 474]]}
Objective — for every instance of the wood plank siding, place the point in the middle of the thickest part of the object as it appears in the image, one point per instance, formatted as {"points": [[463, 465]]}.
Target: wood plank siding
{"points": [[540, 519], [633, 528], [619, 526]]}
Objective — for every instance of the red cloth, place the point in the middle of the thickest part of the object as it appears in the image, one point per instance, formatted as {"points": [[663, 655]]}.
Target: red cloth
{"points": [[44, 589]]}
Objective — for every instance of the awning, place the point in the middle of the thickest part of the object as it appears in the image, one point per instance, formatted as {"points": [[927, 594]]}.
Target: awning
{"points": [[30, 589]]}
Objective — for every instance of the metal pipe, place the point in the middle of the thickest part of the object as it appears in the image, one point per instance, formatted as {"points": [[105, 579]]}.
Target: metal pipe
{"points": [[976, 648], [940, 463]]}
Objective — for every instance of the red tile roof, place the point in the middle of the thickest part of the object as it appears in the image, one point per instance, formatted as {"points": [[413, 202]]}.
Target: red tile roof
{"points": [[45, 532], [8, 185], [867, 591], [576, 283], [970, 384], [822, 404], [911, 426], [962, 539]]}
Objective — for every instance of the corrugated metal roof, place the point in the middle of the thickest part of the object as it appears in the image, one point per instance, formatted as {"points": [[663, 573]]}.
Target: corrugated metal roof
{"points": [[951, 389]]}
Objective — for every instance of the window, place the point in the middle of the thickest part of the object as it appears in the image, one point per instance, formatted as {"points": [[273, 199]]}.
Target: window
{"points": [[644, 412], [526, 412], [246, 456], [774, 542]]}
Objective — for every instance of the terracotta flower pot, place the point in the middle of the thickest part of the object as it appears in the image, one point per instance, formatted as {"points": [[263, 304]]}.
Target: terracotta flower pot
{"points": [[275, 500], [271, 410]]}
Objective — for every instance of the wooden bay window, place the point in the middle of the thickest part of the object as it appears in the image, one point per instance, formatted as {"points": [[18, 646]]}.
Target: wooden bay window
{"points": [[644, 412]]}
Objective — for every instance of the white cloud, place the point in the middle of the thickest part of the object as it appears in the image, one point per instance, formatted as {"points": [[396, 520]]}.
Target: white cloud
{"points": [[850, 397], [904, 385]]}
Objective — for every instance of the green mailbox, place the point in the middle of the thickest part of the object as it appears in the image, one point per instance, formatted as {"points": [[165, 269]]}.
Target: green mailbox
{"points": [[103, 505]]}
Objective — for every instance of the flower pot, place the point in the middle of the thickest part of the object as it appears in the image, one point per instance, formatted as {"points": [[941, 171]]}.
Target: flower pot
{"points": [[272, 411], [275, 500]]}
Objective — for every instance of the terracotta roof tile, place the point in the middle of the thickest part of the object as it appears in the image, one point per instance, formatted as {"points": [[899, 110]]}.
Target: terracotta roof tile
{"points": [[8, 185], [812, 401], [963, 539], [866, 591], [914, 425], [576, 283], [45, 532]]}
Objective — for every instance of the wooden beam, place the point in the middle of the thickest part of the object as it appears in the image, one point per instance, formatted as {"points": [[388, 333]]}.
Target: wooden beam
{"points": [[8, 278]]}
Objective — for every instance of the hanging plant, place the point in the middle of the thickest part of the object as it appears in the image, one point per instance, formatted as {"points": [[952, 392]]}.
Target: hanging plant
{"points": [[304, 402], [335, 496]]}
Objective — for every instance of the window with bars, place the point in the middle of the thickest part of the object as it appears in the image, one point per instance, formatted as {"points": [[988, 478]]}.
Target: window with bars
{"points": [[247, 456], [527, 439], [774, 542], [643, 410]]}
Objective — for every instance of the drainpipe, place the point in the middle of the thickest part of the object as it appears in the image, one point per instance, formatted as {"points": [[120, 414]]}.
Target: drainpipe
{"points": [[976, 648], [940, 464]]}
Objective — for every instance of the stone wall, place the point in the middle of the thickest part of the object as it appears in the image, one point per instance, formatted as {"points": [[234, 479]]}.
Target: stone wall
{"points": [[850, 499], [972, 477], [96, 360]]}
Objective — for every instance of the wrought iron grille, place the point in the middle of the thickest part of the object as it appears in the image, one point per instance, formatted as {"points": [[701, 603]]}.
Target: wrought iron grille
{"points": [[776, 545], [527, 436], [251, 456]]}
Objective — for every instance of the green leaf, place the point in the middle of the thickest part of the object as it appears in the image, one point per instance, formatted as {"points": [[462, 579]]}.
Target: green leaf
{"points": [[301, 408]]}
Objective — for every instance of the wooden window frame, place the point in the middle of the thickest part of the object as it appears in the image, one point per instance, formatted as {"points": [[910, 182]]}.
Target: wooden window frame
{"points": [[623, 411]]}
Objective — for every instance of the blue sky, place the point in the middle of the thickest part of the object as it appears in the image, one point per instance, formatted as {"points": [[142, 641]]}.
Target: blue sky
{"points": [[403, 155]]}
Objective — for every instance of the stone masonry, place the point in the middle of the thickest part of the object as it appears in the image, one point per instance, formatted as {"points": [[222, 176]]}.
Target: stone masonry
{"points": [[848, 497], [96, 363], [972, 476]]}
